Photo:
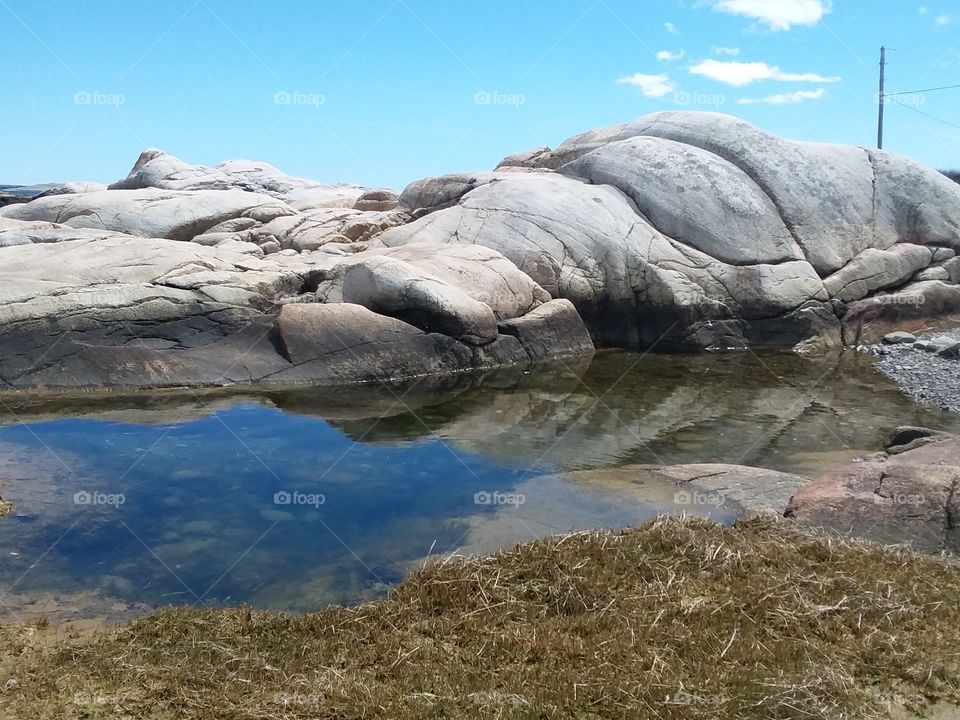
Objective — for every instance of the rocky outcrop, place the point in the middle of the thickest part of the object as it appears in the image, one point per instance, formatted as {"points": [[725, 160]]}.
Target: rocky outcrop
{"points": [[689, 230], [157, 169], [908, 495], [153, 312], [678, 231]]}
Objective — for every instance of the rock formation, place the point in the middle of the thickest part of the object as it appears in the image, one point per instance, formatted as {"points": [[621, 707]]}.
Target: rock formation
{"points": [[688, 230], [677, 231], [907, 495]]}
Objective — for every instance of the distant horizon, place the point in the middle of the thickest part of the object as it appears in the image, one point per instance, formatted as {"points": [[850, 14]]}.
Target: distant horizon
{"points": [[396, 90]]}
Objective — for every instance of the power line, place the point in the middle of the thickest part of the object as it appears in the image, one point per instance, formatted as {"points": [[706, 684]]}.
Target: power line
{"points": [[916, 92], [920, 112]]}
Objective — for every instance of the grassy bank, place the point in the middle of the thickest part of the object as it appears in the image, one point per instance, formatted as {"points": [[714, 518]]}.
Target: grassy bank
{"points": [[675, 619]]}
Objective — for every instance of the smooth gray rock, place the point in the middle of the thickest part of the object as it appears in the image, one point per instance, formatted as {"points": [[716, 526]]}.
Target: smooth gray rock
{"points": [[933, 273], [460, 292], [899, 338], [632, 285], [177, 215], [158, 169], [525, 159], [693, 197], [152, 312], [691, 230], [552, 330], [10, 194], [875, 269], [952, 352], [345, 341], [378, 200], [676, 231]]}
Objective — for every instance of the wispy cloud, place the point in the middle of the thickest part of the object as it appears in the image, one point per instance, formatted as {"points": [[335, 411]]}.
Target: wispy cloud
{"points": [[776, 14], [667, 56], [942, 21], [739, 74], [671, 28], [785, 98], [728, 51], [653, 86]]}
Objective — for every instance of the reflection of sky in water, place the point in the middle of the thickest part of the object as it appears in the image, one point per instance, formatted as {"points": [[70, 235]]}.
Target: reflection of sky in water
{"points": [[199, 523], [199, 495]]}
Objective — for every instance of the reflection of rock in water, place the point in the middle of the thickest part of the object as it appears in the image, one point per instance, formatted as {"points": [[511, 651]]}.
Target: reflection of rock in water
{"points": [[204, 498], [622, 408], [737, 409]]}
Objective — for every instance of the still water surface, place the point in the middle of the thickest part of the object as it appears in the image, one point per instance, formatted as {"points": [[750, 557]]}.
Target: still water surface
{"points": [[293, 499]]}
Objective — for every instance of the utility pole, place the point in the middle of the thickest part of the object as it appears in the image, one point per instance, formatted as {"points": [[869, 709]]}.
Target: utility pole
{"points": [[881, 97]]}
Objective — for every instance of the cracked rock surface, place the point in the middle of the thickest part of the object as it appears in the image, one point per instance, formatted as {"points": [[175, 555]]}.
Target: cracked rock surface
{"points": [[209, 283], [691, 230]]}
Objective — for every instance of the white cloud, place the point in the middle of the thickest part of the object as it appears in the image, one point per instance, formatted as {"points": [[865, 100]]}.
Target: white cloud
{"points": [[653, 86], [739, 74], [942, 20], [777, 14], [667, 56], [671, 28], [923, 9], [728, 51], [785, 98]]}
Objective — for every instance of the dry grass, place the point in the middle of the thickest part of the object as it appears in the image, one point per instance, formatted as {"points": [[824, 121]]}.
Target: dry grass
{"points": [[679, 618]]}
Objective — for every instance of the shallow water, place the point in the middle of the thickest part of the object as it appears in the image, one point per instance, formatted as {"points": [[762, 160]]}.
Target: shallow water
{"points": [[296, 498]]}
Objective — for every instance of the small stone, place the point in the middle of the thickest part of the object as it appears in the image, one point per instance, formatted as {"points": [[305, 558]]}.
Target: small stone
{"points": [[952, 352], [270, 247], [377, 200], [939, 344], [899, 338]]}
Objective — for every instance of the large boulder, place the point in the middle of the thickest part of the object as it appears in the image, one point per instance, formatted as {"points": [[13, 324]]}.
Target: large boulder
{"points": [[461, 291], [632, 284], [689, 230], [908, 495]]}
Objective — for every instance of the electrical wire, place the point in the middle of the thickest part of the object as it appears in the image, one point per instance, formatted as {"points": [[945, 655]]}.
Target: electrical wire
{"points": [[920, 112], [916, 92]]}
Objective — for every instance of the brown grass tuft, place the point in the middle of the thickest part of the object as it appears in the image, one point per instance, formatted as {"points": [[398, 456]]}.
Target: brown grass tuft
{"points": [[679, 618]]}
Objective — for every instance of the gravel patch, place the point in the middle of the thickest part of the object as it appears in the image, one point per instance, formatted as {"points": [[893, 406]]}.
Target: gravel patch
{"points": [[924, 376]]}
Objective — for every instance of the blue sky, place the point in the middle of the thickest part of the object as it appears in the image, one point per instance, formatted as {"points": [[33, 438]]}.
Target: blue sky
{"points": [[382, 92]]}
